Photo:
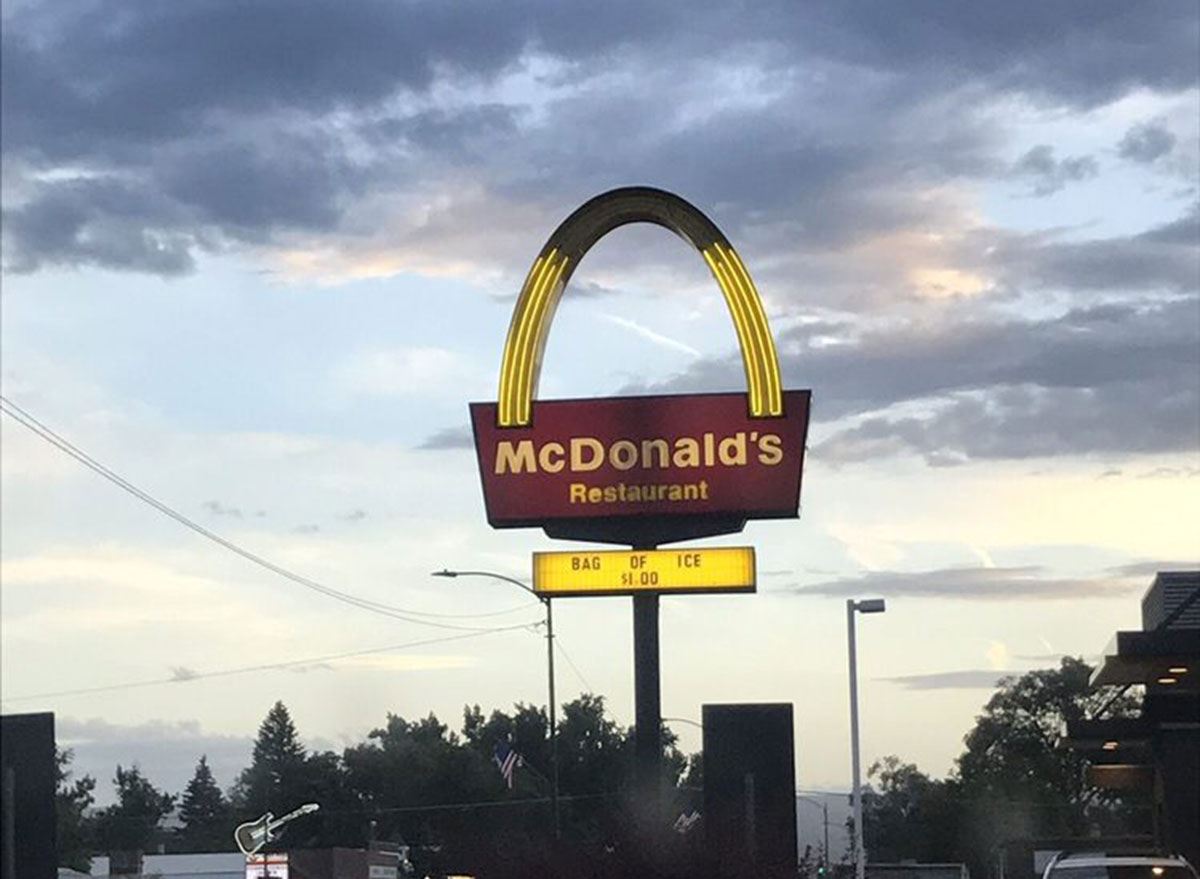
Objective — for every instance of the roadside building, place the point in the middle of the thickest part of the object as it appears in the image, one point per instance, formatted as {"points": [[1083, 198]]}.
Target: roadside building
{"points": [[1159, 750]]}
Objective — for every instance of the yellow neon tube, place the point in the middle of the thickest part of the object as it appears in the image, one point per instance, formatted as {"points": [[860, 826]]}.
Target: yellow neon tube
{"points": [[772, 400], [769, 361], [733, 302], [543, 310], [527, 332], [513, 344], [538, 300], [752, 330]]}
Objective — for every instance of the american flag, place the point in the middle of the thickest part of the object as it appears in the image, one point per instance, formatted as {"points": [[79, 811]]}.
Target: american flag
{"points": [[507, 760]]}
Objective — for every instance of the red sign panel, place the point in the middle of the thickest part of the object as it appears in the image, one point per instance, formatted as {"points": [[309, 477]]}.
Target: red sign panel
{"points": [[616, 457]]}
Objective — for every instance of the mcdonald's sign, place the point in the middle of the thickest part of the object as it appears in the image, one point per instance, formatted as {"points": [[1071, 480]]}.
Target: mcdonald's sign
{"points": [[639, 470]]}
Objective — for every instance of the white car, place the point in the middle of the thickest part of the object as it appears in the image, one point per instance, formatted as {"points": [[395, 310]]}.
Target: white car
{"points": [[1093, 865]]}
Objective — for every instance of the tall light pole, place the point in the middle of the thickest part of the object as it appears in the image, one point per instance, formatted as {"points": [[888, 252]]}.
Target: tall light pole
{"points": [[871, 605], [545, 599]]}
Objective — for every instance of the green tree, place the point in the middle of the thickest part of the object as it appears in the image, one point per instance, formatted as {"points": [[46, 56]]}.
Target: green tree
{"points": [[910, 816], [132, 823], [593, 751], [405, 767], [526, 730], [1016, 780], [275, 781], [342, 820], [74, 831], [206, 814]]}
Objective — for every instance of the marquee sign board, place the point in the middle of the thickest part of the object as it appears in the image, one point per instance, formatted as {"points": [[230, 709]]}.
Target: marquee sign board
{"points": [[689, 456], [720, 569]]}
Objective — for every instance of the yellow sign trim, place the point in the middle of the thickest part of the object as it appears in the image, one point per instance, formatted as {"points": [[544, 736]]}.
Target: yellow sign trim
{"points": [[521, 365], [614, 572]]}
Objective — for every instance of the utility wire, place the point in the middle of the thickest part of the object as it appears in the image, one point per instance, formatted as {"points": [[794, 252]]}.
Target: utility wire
{"points": [[28, 421], [478, 804], [252, 668], [586, 686], [372, 812]]}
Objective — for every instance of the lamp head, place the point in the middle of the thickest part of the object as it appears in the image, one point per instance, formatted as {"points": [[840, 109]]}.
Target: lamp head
{"points": [[870, 605]]}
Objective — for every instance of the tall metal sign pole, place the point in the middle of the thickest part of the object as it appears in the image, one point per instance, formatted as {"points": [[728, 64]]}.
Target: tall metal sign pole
{"points": [[640, 471], [647, 693]]}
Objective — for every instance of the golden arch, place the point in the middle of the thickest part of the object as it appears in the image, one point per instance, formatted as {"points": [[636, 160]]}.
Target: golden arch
{"points": [[530, 327]]}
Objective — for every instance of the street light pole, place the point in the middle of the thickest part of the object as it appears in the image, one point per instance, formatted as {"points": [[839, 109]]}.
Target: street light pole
{"points": [[545, 599], [553, 714], [874, 605]]}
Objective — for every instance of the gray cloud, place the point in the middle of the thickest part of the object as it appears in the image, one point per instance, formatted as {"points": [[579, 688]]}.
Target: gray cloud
{"points": [[108, 223], [250, 190], [1151, 567], [167, 751], [167, 67], [968, 679], [1032, 47], [449, 438], [1170, 473], [1028, 422], [1184, 232], [1146, 142], [1163, 257], [1047, 175], [974, 584], [168, 70], [1108, 378], [222, 124], [219, 509]]}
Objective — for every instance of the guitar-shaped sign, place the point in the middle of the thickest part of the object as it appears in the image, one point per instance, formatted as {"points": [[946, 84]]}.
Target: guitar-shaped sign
{"points": [[253, 835]]}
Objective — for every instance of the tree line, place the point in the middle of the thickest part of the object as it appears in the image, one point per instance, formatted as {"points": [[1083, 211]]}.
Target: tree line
{"points": [[417, 782], [421, 783]]}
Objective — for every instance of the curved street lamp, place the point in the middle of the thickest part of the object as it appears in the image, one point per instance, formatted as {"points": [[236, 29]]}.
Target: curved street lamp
{"points": [[545, 599], [870, 605]]}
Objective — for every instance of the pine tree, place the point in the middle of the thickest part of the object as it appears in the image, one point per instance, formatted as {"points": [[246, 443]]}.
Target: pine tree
{"points": [[276, 779], [206, 816]]}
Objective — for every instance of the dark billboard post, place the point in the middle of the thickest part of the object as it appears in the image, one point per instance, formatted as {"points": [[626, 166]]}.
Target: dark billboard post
{"points": [[27, 818]]}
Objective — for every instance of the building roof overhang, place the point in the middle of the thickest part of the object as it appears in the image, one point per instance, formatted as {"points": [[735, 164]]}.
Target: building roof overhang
{"points": [[1148, 657]]}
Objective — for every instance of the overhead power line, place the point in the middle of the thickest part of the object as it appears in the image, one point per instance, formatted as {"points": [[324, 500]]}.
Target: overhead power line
{"points": [[271, 666], [586, 686], [24, 418]]}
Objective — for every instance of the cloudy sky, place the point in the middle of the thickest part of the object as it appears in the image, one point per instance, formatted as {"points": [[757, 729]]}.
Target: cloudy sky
{"points": [[258, 257]]}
